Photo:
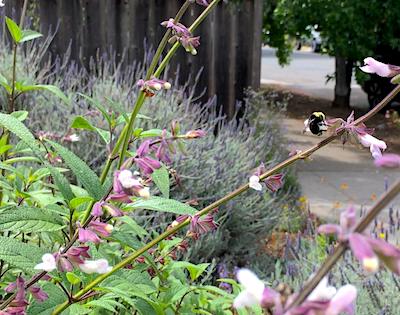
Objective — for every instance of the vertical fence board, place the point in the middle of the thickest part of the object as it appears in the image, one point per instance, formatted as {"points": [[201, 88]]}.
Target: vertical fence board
{"points": [[229, 54]]}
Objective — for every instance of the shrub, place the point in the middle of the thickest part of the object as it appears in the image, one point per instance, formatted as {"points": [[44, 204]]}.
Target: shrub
{"points": [[211, 168]]}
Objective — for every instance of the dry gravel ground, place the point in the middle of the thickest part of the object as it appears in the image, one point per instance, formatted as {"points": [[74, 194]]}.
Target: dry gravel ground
{"points": [[338, 175]]}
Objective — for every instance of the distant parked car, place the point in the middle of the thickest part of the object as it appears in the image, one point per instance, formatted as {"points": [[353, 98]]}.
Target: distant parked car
{"points": [[313, 40]]}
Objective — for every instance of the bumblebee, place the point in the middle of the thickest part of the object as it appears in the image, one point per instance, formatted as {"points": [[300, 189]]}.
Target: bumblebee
{"points": [[316, 123]]}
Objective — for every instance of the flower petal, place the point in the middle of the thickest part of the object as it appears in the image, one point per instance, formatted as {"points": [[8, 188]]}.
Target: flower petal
{"points": [[363, 251], [251, 283], [343, 301]]}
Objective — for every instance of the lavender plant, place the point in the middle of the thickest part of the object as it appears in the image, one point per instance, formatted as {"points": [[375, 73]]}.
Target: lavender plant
{"points": [[75, 246]]}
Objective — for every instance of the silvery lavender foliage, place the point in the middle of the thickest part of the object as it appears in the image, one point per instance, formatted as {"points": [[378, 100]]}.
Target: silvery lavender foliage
{"points": [[224, 160], [213, 166], [377, 293]]}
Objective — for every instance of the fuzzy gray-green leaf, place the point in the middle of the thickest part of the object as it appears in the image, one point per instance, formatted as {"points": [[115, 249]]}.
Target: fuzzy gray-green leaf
{"points": [[29, 220], [160, 177], [163, 205], [82, 171], [20, 255]]}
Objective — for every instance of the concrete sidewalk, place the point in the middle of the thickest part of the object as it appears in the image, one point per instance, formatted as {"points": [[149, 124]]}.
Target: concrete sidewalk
{"points": [[337, 175]]}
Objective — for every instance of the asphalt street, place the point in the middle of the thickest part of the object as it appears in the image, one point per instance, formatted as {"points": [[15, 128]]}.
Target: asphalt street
{"points": [[306, 73]]}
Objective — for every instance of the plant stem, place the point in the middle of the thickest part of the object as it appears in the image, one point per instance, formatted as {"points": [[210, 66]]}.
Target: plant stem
{"points": [[141, 97], [342, 247], [231, 195]]}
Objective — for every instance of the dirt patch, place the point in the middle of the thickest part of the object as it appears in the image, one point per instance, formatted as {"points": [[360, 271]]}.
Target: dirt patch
{"points": [[300, 106]]}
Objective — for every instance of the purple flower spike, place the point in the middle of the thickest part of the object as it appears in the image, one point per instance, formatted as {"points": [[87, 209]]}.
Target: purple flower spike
{"points": [[388, 160]]}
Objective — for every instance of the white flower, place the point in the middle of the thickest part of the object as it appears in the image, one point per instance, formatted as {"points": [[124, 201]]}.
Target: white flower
{"points": [[48, 263], [144, 192], [95, 266], [127, 180], [2, 4], [254, 182], [74, 137], [322, 292], [253, 289], [375, 145]]}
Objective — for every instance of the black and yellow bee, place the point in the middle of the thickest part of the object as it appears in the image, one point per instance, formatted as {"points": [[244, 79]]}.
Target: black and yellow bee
{"points": [[316, 123]]}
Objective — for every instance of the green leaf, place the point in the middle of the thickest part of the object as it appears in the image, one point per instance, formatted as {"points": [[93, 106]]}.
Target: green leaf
{"points": [[195, 271], [82, 171], [21, 255], [15, 31], [82, 123], [160, 177], [73, 278], [28, 35], [21, 115], [163, 205], [134, 227], [56, 297], [19, 129], [106, 302], [29, 220], [4, 83], [153, 133], [76, 202], [50, 88]]}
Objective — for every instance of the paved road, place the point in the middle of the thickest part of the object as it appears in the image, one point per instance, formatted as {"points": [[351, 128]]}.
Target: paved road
{"points": [[306, 73]]}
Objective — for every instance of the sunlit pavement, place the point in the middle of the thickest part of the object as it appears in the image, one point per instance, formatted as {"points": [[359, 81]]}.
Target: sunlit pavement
{"points": [[306, 73], [338, 175]]}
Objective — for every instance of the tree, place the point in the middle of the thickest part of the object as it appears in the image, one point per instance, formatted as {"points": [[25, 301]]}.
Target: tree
{"points": [[351, 29]]}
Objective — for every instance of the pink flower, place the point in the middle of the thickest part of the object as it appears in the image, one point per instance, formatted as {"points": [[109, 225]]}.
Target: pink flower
{"points": [[48, 263], [190, 44], [375, 145], [92, 232], [201, 225], [95, 266], [327, 300], [255, 292], [125, 185], [274, 182], [178, 29], [150, 87], [192, 134], [389, 160], [381, 69], [365, 248], [202, 2]]}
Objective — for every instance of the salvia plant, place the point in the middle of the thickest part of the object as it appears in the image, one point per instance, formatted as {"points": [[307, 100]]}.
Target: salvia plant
{"points": [[71, 245]]}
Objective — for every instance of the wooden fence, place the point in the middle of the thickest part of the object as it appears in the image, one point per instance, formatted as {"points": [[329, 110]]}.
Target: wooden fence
{"points": [[229, 54]]}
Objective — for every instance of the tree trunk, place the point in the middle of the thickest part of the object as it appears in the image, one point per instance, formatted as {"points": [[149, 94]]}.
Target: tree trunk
{"points": [[343, 74]]}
